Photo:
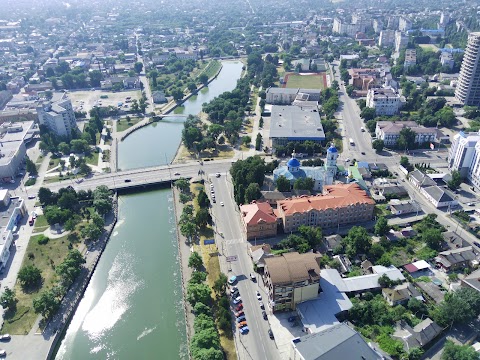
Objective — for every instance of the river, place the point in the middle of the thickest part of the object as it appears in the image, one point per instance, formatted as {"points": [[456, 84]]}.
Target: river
{"points": [[132, 308]]}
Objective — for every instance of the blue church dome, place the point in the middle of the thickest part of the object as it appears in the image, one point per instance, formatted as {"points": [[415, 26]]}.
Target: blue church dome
{"points": [[332, 149], [293, 163]]}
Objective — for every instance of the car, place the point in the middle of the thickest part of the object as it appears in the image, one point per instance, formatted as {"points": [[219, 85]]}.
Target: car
{"points": [[5, 337], [232, 280], [240, 319], [217, 175], [20, 174], [12, 181], [239, 313], [264, 314], [270, 334], [292, 318], [244, 330], [239, 307], [32, 177], [259, 297], [237, 300], [252, 277], [212, 191], [214, 201], [31, 196], [233, 289], [235, 294], [242, 324], [363, 153], [262, 306], [221, 203], [347, 159], [127, 180], [471, 204], [34, 215], [176, 174], [211, 186], [476, 243]]}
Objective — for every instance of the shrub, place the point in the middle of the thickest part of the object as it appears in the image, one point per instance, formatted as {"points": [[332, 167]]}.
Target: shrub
{"points": [[42, 240]]}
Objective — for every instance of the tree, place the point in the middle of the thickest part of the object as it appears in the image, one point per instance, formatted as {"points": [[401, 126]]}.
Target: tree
{"points": [[367, 113], [138, 67], [417, 307], [381, 227], [258, 142], [378, 145], [198, 277], [404, 162], [432, 237], [201, 308], [192, 87], [451, 351], [70, 268], [283, 184], [208, 354], [304, 184], [203, 79], [188, 229], [202, 199], [203, 322], [350, 89], [29, 275], [456, 180], [64, 148], [30, 166], [220, 284], [460, 306], [182, 184], [202, 218], [95, 78], [8, 299], [177, 94], [195, 261], [357, 241], [198, 293], [246, 140], [252, 192], [91, 232], [313, 235], [55, 215], [46, 304], [406, 139], [67, 200]]}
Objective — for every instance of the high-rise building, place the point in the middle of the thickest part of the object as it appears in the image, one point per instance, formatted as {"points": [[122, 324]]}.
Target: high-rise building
{"points": [[58, 115], [386, 38], [401, 41], [404, 24], [468, 87], [464, 156]]}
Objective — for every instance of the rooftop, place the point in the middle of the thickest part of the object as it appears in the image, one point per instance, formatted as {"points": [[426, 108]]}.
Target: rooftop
{"points": [[293, 267], [292, 122], [257, 213]]}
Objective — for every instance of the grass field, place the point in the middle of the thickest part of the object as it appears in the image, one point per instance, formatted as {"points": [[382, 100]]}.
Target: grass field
{"points": [[211, 69], [429, 47], [92, 159], [45, 257], [40, 224], [305, 81], [123, 125]]}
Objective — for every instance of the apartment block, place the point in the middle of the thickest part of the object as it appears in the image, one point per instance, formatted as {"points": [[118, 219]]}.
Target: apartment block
{"points": [[446, 59], [401, 41], [385, 101], [338, 205], [464, 156], [410, 58], [389, 132], [386, 38], [58, 115], [404, 24], [468, 86]]}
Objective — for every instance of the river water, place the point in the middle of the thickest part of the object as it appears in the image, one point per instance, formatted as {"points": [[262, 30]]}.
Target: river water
{"points": [[132, 308]]}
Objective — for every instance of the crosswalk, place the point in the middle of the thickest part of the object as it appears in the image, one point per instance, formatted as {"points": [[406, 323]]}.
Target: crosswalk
{"points": [[233, 241]]}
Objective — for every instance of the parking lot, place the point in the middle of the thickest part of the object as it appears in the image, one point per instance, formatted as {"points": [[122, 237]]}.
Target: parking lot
{"points": [[85, 100]]}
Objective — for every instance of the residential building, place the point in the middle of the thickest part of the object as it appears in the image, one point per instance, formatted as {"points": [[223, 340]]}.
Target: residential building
{"points": [[468, 86], [418, 268], [159, 97], [304, 64], [456, 259], [418, 336], [474, 171], [446, 59], [389, 132], [258, 220], [12, 210], [472, 280], [438, 196], [364, 79], [400, 294], [322, 175], [377, 26], [453, 241], [343, 27], [386, 38], [410, 58], [392, 22], [286, 96], [401, 41], [294, 124], [404, 24], [404, 207], [385, 101], [13, 137], [463, 155], [58, 115], [291, 278], [444, 20], [336, 342], [338, 205], [432, 291]]}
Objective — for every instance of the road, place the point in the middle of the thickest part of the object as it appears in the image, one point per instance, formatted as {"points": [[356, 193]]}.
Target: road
{"points": [[256, 344]]}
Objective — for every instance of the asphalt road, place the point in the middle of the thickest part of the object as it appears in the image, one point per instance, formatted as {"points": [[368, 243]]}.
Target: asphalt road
{"points": [[256, 344]]}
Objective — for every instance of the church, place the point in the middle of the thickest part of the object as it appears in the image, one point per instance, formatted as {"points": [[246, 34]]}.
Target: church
{"points": [[322, 175]]}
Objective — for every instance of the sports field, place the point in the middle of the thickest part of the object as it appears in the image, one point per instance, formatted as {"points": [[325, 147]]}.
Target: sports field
{"points": [[313, 81]]}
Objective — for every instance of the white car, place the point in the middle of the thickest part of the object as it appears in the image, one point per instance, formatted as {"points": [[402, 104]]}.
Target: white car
{"points": [[211, 186], [221, 203], [237, 300], [3, 352], [259, 297], [5, 337]]}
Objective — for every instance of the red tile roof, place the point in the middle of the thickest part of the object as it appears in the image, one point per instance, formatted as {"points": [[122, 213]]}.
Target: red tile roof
{"points": [[258, 212], [335, 196]]}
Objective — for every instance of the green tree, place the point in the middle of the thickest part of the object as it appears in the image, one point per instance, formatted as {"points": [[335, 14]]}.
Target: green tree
{"points": [[64, 148], [304, 184], [208, 354], [70, 267], [432, 237], [68, 200], [29, 275], [202, 199], [188, 229], [417, 307], [46, 304], [91, 232], [406, 139], [30, 166], [79, 146], [456, 180], [460, 306], [313, 235], [55, 215], [198, 293], [46, 196], [367, 113], [220, 284], [198, 277], [252, 192], [357, 241], [350, 89], [8, 299], [195, 261], [404, 162], [258, 142], [203, 79], [246, 140], [95, 78], [201, 308], [451, 351], [203, 322], [138, 67], [381, 227], [283, 184], [182, 184], [202, 218], [378, 145]]}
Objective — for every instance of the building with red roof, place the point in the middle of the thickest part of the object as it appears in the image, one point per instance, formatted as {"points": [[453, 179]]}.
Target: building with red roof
{"points": [[258, 220]]}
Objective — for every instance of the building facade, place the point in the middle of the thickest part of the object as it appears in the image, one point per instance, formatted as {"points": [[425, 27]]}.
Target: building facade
{"points": [[463, 152], [386, 38], [389, 132], [468, 86], [258, 220], [401, 41], [58, 116], [385, 101], [338, 205], [291, 278], [410, 58]]}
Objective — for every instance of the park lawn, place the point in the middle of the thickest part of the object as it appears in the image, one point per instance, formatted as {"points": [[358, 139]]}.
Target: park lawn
{"points": [[222, 152], [52, 179], [41, 224], [122, 124], [305, 81], [44, 257], [212, 68], [429, 47], [92, 159], [53, 163]]}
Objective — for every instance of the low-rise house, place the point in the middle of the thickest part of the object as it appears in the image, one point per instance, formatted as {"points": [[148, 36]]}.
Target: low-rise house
{"points": [[389, 132], [418, 336], [418, 268], [364, 79], [439, 197], [456, 259], [431, 291], [400, 294], [336, 342], [291, 278], [331, 242], [159, 97], [304, 64], [410, 58], [258, 253], [404, 207], [453, 241], [472, 280], [419, 179], [259, 220]]}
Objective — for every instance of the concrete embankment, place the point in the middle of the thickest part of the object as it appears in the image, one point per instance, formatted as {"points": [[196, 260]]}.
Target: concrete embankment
{"points": [[70, 305]]}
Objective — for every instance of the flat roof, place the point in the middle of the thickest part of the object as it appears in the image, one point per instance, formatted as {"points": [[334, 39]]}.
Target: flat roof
{"points": [[6, 213], [11, 141], [294, 123]]}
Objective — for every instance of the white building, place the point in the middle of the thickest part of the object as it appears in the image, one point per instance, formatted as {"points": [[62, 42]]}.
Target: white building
{"points": [[401, 41], [377, 25], [385, 101], [342, 27], [468, 87], [446, 59], [58, 115], [404, 24], [387, 38], [389, 132], [462, 152]]}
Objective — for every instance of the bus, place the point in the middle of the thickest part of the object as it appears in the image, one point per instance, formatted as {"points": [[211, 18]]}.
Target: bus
{"points": [[351, 141]]}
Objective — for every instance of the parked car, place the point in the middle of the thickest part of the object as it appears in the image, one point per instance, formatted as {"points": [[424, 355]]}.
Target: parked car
{"points": [[239, 313], [242, 324], [31, 196], [252, 277], [259, 297], [262, 306], [244, 330], [292, 318], [221, 203], [237, 300], [239, 307], [5, 337], [235, 294], [232, 280], [241, 318], [3, 352], [264, 314], [217, 175], [127, 180], [233, 289], [270, 333], [176, 174]]}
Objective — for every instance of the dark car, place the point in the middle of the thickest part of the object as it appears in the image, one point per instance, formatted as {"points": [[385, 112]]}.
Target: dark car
{"points": [[363, 153], [476, 243], [128, 180], [264, 314], [270, 333]]}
